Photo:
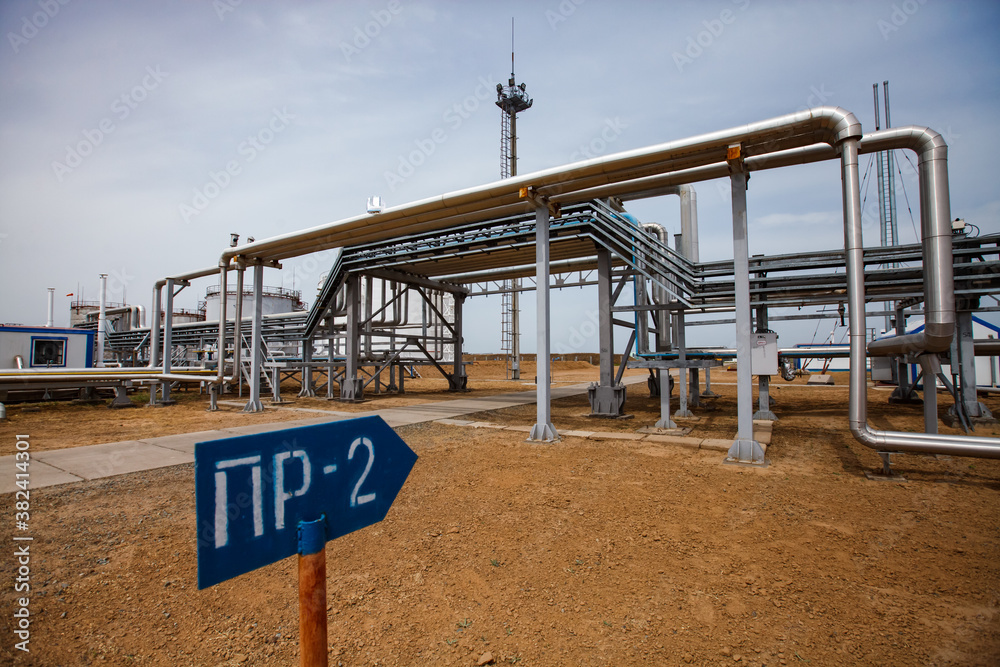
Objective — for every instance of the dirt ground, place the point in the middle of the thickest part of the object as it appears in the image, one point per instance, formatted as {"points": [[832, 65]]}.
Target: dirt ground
{"points": [[580, 552]]}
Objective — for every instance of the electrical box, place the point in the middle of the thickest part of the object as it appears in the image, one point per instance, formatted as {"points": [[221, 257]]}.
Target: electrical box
{"points": [[881, 369], [764, 353]]}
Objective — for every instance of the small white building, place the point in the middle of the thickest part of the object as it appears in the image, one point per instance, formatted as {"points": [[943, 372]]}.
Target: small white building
{"points": [[45, 347]]}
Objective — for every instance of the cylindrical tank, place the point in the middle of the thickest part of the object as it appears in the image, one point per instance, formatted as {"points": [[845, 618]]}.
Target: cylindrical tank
{"points": [[276, 300]]}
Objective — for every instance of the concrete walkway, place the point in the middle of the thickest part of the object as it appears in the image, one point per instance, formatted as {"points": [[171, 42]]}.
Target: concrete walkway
{"points": [[61, 466]]}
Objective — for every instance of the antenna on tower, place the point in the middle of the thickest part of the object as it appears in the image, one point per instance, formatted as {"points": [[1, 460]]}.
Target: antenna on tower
{"points": [[511, 100]]}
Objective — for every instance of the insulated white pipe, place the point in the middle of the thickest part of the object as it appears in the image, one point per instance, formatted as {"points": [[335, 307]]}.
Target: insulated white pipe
{"points": [[49, 322], [934, 201], [828, 124], [102, 321]]}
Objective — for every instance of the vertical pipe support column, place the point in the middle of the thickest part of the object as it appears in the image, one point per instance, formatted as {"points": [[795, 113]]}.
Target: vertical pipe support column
{"points": [[607, 399], [902, 391], [351, 387], [102, 321], [154, 339], [763, 381], [237, 327], [458, 380], [682, 375], [168, 342], [223, 305], [930, 366], [976, 411], [543, 430], [515, 329], [605, 327], [257, 353], [663, 376], [744, 448], [306, 376]]}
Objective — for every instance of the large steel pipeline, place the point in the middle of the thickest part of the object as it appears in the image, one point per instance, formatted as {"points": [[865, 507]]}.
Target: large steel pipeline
{"points": [[934, 218], [786, 140], [803, 128]]}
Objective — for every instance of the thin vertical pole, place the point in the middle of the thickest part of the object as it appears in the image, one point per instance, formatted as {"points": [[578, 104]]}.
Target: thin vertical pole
{"points": [[101, 321], [154, 339], [605, 327], [254, 404], [312, 594], [237, 328], [168, 342]]}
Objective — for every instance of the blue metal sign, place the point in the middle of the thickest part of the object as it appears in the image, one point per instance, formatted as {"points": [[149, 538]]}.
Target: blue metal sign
{"points": [[251, 491]]}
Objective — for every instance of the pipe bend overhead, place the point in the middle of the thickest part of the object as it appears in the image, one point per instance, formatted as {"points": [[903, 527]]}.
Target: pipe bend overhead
{"points": [[925, 142], [839, 123]]}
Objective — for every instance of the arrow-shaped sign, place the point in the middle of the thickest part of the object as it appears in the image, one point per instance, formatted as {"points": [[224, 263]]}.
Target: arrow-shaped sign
{"points": [[252, 491]]}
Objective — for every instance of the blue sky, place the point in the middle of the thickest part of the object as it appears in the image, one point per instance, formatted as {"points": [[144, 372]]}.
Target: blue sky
{"points": [[135, 137]]}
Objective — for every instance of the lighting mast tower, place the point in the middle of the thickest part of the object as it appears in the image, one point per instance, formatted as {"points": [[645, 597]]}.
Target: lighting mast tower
{"points": [[889, 232], [511, 99]]}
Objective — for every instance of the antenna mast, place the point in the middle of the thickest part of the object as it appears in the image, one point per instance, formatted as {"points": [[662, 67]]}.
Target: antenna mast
{"points": [[511, 99]]}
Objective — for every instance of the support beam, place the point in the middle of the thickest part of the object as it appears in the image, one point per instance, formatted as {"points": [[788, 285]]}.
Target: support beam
{"points": [[763, 381], [154, 339], [237, 328], [663, 375], [543, 430], [168, 343], [607, 398], [708, 393], [254, 404], [744, 448], [964, 344], [307, 389], [413, 279], [457, 380], [352, 386], [221, 354], [682, 378], [930, 366]]}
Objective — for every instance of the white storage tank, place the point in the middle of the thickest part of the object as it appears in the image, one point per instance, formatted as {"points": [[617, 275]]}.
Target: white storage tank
{"points": [[276, 300]]}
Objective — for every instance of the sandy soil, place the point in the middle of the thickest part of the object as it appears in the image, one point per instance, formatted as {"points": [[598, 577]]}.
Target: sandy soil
{"points": [[575, 553]]}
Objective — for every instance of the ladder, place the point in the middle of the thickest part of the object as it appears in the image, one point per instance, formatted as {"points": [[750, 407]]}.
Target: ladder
{"points": [[507, 332]]}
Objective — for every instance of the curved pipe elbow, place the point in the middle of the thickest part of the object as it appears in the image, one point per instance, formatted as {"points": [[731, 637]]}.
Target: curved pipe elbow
{"points": [[925, 142], [863, 434], [838, 124], [936, 337]]}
